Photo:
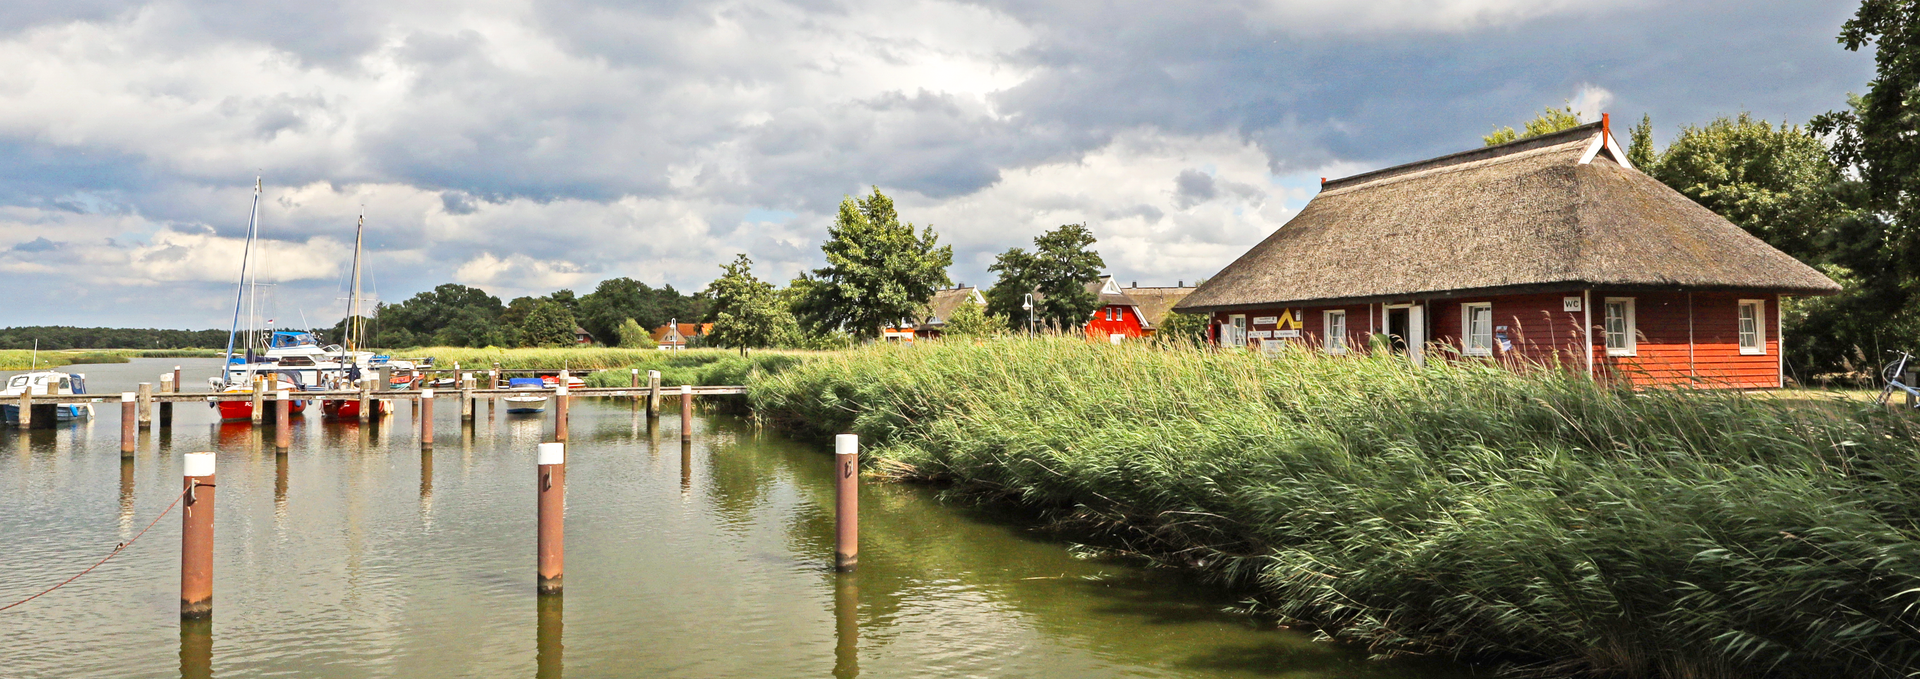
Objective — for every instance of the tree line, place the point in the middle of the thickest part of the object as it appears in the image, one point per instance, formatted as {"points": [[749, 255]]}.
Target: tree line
{"points": [[54, 337]]}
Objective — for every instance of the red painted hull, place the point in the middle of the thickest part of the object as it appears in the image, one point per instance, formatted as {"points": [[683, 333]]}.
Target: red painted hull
{"points": [[350, 409], [243, 410]]}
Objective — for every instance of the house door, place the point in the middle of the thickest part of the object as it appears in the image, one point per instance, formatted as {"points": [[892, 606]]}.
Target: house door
{"points": [[1407, 329], [1236, 332], [1397, 328]]}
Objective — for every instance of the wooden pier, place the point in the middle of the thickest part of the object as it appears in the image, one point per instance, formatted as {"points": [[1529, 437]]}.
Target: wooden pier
{"points": [[352, 395]]}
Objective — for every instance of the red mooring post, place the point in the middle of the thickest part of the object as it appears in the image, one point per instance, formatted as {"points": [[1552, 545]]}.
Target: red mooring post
{"points": [[846, 510], [426, 418], [282, 420], [686, 412], [553, 515], [560, 402], [196, 537], [127, 425]]}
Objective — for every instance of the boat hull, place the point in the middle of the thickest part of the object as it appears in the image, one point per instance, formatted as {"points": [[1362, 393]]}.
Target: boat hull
{"points": [[525, 404], [349, 409], [243, 410], [62, 412]]}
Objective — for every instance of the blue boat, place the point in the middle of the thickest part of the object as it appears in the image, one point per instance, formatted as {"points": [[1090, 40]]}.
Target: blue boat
{"points": [[39, 383], [530, 403]]}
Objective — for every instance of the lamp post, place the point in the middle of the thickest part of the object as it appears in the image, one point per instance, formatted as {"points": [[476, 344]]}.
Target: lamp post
{"points": [[1028, 305]]}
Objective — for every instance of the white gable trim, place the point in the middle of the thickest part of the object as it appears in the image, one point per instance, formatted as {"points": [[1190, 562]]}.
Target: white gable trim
{"points": [[1611, 146]]}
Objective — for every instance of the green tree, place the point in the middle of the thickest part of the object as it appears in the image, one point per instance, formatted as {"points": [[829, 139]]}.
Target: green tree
{"points": [[616, 300], [633, 335], [548, 324], [1775, 182], [746, 312], [971, 320], [878, 271], [1179, 327], [1640, 149], [1056, 272], [450, 314], [1549, 121]]}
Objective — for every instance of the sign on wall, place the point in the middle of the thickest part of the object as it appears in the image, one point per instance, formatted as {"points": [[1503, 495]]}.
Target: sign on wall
{"points": [[1570, 304], [1265, 320]]}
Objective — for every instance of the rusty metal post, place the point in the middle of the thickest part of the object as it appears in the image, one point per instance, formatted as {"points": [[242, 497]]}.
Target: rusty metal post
{"points": [[426, 418], [686, 412], [653, 393], [169, 384], [560, 402], [126, 424], [146, 405], [552, 459], [846, 513], [196, 537], [259, 393], [282, 420]]}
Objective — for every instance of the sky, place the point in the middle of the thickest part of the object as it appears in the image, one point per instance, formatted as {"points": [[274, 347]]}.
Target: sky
{"points": [[522, 146]]}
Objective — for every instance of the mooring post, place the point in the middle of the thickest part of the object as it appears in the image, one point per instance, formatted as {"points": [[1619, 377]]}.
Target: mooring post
{"points": [[282, 420], [169, 384], [196, 537], [686, 412], [560, 402], [426, 418], [493, 400], [846, 514], [146, 405], [466, 398], [26, 408], [552, 515], [633, 393], [259, 393], [366, 397], [126, 424], [653, 393]]}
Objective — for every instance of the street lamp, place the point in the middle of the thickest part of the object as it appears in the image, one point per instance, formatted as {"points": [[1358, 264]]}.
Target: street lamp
{"points": [[1028, 305]]}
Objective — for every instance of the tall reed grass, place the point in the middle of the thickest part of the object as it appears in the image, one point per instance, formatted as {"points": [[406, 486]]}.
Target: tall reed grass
{"points": [[1537, 519], [582, 358], [24, 359]]}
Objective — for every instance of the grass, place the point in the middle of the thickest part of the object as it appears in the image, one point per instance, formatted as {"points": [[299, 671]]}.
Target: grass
{"points": [[24, 359], [1536, 519], [582, 358]]}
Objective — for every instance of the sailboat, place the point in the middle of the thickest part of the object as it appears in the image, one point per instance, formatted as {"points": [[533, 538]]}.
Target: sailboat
{"points": [[242, 379], [350, 358]]}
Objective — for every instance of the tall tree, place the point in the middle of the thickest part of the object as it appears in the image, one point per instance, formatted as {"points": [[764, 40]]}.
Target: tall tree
{"points": [[1775, 182], [548, 324], [615, 300], [1549, 121], [746, 313], [879, 272], [1057, 272]]}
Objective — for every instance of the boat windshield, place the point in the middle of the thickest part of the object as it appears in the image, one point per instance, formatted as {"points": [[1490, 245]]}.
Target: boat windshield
{"points": [[19, 381], [289, 340]]}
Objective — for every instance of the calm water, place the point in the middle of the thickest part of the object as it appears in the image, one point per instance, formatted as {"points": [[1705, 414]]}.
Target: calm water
{"points": [[356, 555]]}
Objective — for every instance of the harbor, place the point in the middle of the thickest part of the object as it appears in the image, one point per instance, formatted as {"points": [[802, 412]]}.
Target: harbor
{"points": [[359, 553]]}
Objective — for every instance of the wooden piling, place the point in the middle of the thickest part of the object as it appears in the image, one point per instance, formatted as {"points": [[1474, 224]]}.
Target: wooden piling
{"points": [[466, 397], [493, 400], [282, 420], [653, 393], [366, 398], [126, 424], [26, 407], [169, 384], [196, 537], [425, 406], [846, 506], [259, 393], [552, 485], [146, 405], [686, 412], [560, 403], [633, 399]]}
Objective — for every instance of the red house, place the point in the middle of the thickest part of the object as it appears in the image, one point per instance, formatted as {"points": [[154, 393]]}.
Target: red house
{"points": [[1549, 249], [1132, 312]]}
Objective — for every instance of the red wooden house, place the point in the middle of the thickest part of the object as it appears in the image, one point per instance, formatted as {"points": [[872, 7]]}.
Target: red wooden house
{"points": [[1545, 250], [1132, 312]]}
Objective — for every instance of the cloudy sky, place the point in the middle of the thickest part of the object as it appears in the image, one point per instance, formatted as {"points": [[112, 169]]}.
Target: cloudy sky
{"points": [[523, 145]]}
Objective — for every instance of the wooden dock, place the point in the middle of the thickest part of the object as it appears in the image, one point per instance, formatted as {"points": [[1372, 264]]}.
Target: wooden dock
{"points": [[406, 395]]}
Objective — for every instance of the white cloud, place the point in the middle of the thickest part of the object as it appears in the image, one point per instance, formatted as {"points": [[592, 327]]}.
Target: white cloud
{"points": [[1315, 16], [1589, 101]]}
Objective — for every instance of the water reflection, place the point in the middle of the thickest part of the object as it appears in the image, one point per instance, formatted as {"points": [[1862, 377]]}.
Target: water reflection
{"points": [[846, 625], [126, 497], [426, 487], [196, 649], [686, 467], [547, 645]]}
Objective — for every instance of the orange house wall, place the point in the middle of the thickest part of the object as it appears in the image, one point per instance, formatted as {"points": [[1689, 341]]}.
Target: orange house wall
{"points": [[1101, 329], [1542, 332]]}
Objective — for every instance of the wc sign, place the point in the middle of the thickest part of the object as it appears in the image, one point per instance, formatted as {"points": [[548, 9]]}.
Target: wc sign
{"points": [[1569, 304]]}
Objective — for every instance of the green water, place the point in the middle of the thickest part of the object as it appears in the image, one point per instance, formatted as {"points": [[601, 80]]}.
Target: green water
{"points": [[358, 555]]}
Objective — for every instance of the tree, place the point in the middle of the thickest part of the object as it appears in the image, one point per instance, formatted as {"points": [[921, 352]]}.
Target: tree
{"points": [[971, 320], [1549, 121], [746, 311], [1640, 149], [1775, 182], [1179, 327], [633, 335], [548, 324], [1056, 273], [878, 271], [617, 300], [451, 314]]}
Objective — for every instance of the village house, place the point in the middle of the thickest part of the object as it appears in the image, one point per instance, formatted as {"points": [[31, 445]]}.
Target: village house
{"points": [[1132, 312], [933, 319], [676, 336], [1552, 249]]}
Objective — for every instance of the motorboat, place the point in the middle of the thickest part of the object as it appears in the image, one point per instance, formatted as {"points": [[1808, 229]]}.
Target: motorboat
{"points": [[46, 382], [529, 403]]}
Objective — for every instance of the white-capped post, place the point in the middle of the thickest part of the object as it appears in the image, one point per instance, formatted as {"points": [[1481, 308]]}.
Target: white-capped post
{"points": [[846, 511], [196, 537], [686, 412], [282, 420], [126, 423], [426, 418], [552, 507]]}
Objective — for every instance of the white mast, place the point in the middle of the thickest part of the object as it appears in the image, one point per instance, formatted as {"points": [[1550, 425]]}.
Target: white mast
{"points": [[354, 326]]}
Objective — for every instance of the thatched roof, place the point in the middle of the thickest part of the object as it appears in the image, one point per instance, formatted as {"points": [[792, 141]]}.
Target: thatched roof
{"points": [[1557, 212], [1154, 303], [945, 302]]}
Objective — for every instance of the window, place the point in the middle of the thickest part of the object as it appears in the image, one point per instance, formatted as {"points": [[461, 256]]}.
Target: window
{"points": [[1236, 331], [1753, 326], [1476, 326], [1619, 327], [1336, 332]]}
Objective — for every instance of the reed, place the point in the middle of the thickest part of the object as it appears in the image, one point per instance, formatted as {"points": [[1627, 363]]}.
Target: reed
{"points": [[581, 359], [23, 359], [1531, 518]]}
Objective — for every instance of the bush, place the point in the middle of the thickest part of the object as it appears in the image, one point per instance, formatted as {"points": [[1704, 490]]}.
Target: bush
{"points": [[1463, 508]]}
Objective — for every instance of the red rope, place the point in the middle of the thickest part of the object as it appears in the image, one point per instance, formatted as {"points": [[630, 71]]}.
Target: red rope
{"points": [[116, 550]]}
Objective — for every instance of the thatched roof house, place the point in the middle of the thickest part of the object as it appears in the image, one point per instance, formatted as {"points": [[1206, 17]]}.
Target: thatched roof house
{"points": [[1534, 222]]}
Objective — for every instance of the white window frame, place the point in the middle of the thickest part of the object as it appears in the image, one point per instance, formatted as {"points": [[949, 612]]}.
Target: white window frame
{"points": [[1629, 338], [1467, 334], [1236, 332], [1334, 342], [1759, 307]]}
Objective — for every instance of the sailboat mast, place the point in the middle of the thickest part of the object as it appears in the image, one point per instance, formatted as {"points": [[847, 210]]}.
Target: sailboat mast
{"points": [[354, 326], [240, 288]]}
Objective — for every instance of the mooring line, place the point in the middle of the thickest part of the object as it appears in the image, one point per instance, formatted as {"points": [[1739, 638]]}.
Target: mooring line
{"points": [[116, 550]]}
